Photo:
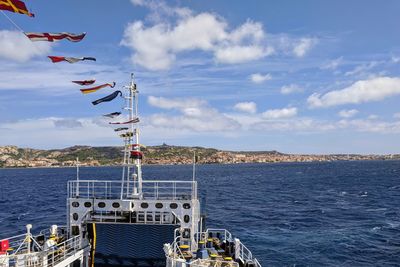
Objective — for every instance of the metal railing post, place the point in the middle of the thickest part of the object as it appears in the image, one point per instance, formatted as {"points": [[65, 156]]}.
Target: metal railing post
{"points": [[157, 190]]}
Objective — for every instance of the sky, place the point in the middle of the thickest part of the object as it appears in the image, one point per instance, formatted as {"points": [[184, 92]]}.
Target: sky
{"points": [[294, 76]]}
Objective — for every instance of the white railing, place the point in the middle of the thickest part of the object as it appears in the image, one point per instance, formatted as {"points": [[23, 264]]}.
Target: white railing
{"points": [[213, 263], [246, 254], [171, 190], [34, 259], [61, 231], [175, 257], [241, 251], [25, 254], [63, 250], [225, 234]]}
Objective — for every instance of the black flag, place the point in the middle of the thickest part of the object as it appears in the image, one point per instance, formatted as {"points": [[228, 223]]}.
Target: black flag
{"points": [[112, 115], [121, 129], [107, 98]]}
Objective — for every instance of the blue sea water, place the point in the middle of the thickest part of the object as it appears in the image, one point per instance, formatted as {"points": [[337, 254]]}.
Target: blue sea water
{"points": [[288, 214]]}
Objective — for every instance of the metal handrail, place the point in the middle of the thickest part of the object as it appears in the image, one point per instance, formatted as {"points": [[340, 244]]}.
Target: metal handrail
{"points": [[226, 234], [177, 248], [50, 256], [151, 189], [19, 243], [64, 250], [208, 262], [244, 252]]}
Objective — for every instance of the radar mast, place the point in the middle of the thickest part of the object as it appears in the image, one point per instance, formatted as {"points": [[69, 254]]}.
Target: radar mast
{"points": [[132, 163]]}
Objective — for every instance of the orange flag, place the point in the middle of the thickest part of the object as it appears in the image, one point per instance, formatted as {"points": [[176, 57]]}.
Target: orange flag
{"points": [[94, 89]]}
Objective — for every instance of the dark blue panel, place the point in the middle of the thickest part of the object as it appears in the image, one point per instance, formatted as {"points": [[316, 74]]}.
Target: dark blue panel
{"points": [[132, 244]]}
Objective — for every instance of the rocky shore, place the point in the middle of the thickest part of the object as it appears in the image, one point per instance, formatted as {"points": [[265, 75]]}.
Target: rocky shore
{"points": [[12, 156]]}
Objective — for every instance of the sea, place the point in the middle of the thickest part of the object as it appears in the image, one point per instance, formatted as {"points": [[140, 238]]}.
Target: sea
{"points": [[288, 214]]}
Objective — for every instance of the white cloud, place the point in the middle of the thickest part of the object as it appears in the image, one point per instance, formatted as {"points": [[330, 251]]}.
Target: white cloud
{"points": [[396, 115], [178, 30], [68, 123], [16, 46], [55, 132], [280, 113], [209, 121], [374, 89], [249, 107], [293, 125], [395, 59], [373, 117], [362, 69], [252, 31], [260, 78], [333, 64], [292, 45], [310, 125], [156, 47], [138, 2], [347, 113], [174, 103], [290, 89], [160, 10], [52, 132], [196, 115], [303, 46], [239, 54], [48, 133], [371, 126]]}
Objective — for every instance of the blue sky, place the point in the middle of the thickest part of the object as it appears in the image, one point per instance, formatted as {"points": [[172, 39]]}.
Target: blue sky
{"points": [[294, 76]]}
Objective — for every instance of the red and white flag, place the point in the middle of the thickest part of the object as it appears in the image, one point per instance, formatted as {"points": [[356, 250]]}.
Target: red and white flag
{"points": [[52, 37], [56, 59]]}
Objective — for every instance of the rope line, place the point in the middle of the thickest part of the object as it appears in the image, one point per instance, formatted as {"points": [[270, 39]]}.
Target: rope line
{"points": [[13, 23]]}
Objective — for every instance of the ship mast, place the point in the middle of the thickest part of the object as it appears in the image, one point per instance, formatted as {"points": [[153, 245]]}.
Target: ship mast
{"points": [[132, 164]]}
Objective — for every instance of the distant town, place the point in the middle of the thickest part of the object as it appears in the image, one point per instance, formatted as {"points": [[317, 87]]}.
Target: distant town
{"points": [[14, 157]]}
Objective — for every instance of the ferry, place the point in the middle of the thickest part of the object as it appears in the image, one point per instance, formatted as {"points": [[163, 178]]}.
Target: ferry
{"points": [[129, 221]]}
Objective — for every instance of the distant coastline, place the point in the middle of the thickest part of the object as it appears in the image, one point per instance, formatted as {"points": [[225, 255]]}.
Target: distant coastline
{"points": [[15, 157]]}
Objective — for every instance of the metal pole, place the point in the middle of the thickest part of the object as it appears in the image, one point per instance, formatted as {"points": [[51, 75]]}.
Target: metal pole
{"points": [[77, 176], [123, 170], [28, 236], [138, 163], [194, 166], [194, 175], [130, 108], [125, 166]]}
